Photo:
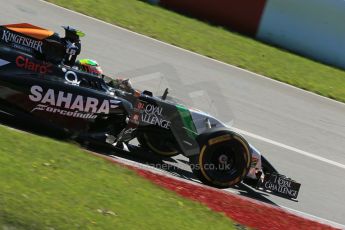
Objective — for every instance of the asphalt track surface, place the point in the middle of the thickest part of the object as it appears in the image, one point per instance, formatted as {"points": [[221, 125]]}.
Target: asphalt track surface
{"points": [[302, 134]]}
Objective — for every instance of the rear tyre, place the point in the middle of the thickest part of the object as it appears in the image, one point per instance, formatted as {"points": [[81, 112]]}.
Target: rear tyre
{"points": [[159, 144], [224, 159]]}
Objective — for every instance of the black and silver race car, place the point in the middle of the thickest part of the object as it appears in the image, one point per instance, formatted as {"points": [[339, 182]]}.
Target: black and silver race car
{"points": [[38, 82]]}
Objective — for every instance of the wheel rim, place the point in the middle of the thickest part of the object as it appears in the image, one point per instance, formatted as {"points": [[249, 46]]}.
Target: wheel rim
{"points": [[224, 163]]}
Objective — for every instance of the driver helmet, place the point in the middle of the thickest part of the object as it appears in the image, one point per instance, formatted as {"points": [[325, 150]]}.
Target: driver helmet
{"points": [[89, 66]]}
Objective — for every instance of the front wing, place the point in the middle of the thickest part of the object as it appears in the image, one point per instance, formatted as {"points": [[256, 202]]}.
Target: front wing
{"points": [[279, 185]]}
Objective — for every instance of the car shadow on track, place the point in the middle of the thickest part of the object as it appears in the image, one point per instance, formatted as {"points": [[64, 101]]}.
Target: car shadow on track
{"points": [[177, 166]]}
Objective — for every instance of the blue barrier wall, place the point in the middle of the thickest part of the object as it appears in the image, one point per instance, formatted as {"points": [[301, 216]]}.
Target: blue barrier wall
{"points": [[314, 28]]}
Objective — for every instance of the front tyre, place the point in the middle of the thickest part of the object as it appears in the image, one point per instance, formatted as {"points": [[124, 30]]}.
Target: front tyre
{"points": [[224, 159]]}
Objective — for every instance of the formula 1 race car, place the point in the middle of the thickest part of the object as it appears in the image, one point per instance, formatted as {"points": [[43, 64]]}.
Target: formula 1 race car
{"points": [[38, 81]]}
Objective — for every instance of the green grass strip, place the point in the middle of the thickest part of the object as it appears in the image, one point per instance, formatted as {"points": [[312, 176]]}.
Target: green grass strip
{"points": [[46, 184], [217, 43]]}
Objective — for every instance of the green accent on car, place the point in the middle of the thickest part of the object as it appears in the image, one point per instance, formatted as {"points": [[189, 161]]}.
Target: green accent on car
{"points": [[187, 121], [88, 62], [80, 33]]}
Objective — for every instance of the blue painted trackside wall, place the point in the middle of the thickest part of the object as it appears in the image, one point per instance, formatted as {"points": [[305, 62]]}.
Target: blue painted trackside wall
{"points": [[314, 28]]}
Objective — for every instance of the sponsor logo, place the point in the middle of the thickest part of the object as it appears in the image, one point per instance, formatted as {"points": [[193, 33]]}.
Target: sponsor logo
{"points": [[71, 49], [68, 104], [219, 139], [26, 63], [281, 185], [72, 78], [63, 112], [153, 115], [21, 42]]}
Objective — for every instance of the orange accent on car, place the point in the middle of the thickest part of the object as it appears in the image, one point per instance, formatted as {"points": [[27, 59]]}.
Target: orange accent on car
{"points": [[30, 30]]}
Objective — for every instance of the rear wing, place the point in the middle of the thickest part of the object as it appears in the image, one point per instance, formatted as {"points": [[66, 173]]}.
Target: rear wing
{"points": [[41, 43]]}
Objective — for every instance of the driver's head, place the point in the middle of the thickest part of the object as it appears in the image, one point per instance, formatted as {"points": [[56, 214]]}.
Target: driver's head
{"points": [[89, 66]]}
